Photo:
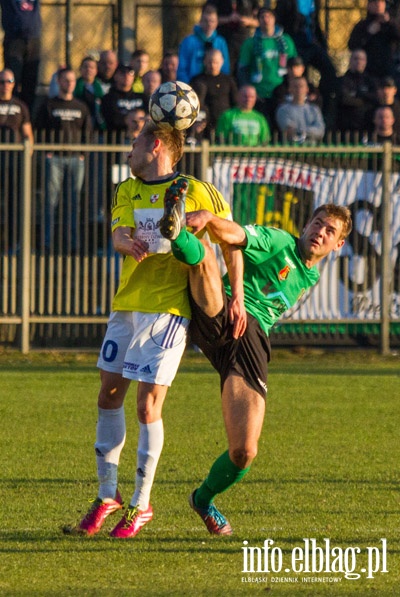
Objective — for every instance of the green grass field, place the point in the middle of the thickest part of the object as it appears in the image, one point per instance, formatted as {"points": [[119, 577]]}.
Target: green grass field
{"points": [[328, 468]]}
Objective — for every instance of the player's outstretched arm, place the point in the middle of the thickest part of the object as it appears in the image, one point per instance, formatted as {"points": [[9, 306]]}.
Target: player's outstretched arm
{"points": [[233, 258], [126, 245], [223, 230]]}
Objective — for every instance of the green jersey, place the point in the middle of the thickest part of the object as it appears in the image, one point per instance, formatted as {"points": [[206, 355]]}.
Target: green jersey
{"points": [[275, 277], [243, 128]]}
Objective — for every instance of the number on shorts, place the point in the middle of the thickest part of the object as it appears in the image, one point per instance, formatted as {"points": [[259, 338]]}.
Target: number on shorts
{"points": [[109, 351]]}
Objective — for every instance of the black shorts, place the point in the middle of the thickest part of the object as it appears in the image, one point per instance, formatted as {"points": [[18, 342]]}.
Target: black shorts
{"points": [[247, 356]]}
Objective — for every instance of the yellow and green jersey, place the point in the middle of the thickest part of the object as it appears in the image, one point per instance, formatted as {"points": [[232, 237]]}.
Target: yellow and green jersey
{"points": [[159, 283]]}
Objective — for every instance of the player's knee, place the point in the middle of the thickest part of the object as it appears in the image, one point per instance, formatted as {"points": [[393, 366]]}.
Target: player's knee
{"points": [[148, 412], [110, 397], [243, 457]]}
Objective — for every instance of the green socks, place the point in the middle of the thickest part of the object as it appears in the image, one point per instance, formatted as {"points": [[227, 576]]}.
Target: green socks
{"points": [[223, 474], [187, 248]]}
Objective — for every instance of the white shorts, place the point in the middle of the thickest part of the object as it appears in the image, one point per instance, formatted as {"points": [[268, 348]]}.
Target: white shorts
{"points": [[144, 346]]}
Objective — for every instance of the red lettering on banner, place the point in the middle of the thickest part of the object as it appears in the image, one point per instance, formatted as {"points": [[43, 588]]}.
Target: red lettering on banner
{"points": [[260, 173], [277, 176], [248, 171]]}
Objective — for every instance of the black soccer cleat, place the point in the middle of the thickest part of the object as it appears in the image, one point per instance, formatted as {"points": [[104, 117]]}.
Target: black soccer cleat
{"points": [[174, 218]]}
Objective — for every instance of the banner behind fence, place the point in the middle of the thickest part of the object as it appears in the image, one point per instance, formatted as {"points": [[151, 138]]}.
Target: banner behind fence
{"points": [[59, 272]]}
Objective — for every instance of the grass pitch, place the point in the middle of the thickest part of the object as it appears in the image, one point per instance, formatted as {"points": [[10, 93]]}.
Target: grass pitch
{"points": [[328, 468]]}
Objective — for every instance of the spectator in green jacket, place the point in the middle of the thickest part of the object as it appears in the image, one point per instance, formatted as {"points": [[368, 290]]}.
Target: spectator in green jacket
{"points": [[263, 59]]}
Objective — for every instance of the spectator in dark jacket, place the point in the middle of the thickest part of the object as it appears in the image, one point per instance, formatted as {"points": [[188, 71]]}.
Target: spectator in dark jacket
{"points": [[384, 129], [301, 21], [385, 96], [217, 91], [22, 26], [375, 34], [356, 94], [120, 99]]}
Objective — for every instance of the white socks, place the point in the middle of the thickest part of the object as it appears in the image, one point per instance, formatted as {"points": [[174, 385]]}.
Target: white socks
{"points": [[110, 439], [151, 440]]}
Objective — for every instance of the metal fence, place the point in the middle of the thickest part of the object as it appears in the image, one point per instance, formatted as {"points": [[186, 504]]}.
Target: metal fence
{"points": [[59, 272]]}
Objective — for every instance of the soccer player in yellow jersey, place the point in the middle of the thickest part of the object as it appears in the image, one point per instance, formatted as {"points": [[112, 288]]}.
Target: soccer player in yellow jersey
{"points": [[147, 329]]}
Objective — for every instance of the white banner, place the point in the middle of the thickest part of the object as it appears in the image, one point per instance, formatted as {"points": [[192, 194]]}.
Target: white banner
{"points": [[350, 280]]}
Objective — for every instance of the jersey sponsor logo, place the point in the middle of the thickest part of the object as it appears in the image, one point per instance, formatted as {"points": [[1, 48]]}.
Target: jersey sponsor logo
{"points": [[283, 274], [131, 366], [148, 224], [145, 369], [115, 221], [154, 198], [290, 262], [137, 197]]}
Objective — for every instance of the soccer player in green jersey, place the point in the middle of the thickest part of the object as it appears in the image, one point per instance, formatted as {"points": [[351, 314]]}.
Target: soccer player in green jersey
{"points": [[147, 329], [278, 269]]}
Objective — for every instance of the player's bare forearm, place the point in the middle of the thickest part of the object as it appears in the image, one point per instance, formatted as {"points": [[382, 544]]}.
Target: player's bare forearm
{"points": [[237, 313], [125, 244], [223, 230]]}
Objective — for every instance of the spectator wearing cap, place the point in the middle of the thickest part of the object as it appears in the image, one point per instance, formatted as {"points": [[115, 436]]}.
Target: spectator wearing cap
{"points": [[243, 125], [356, 95], [193, 47], [263, 60], [385, 96], [300, 18], [120, 99], [376, 34], [295, 68], [298, 120]]}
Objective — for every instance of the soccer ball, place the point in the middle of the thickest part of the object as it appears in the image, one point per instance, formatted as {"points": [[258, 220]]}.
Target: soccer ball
{"points": [[174, 105]]}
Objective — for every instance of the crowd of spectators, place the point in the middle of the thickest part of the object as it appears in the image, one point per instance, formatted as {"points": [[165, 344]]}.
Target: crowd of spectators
{"points": [[237, 51]]}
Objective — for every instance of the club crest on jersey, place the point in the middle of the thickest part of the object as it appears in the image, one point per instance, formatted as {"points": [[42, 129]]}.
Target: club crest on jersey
{"points": [[154, 198], [283, 274]]}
